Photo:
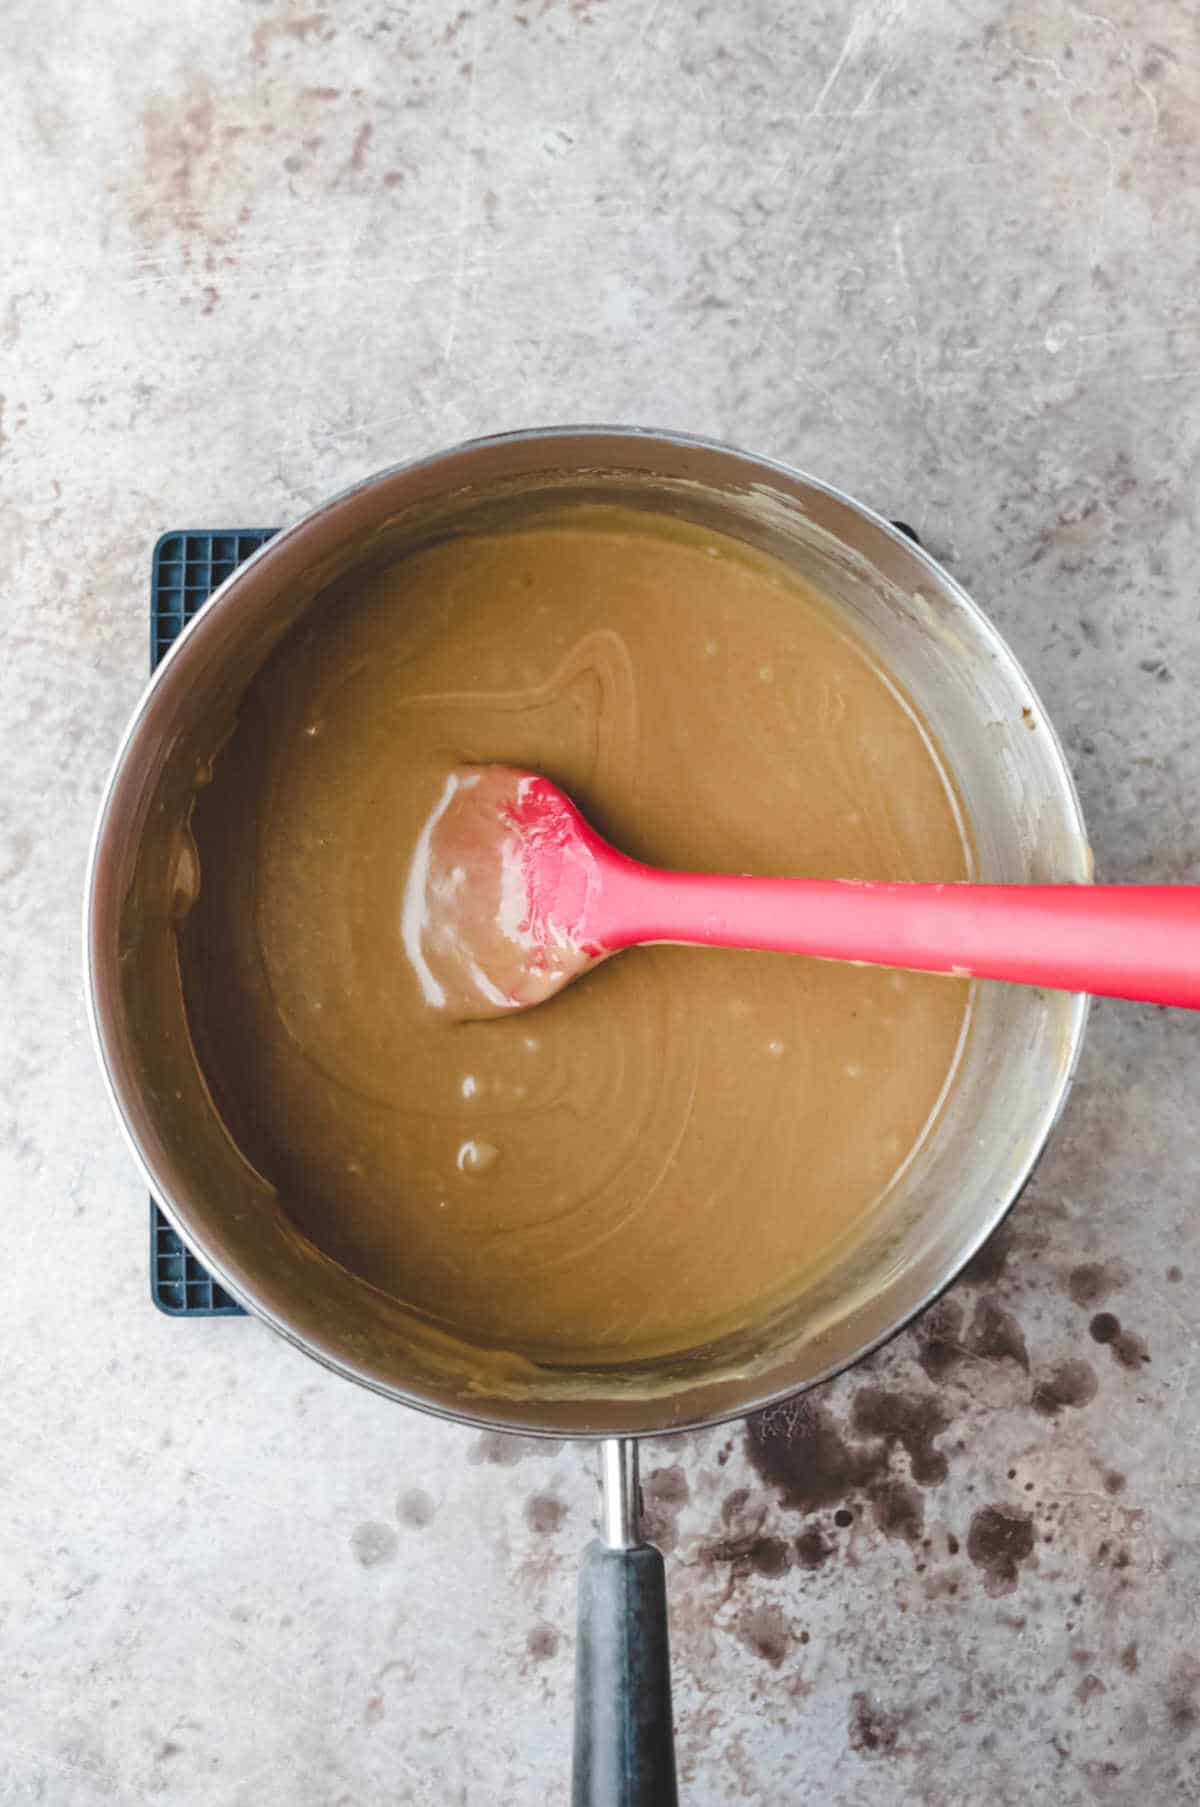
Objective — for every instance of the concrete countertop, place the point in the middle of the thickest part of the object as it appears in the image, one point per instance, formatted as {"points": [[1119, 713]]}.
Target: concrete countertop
{"points": [[942, 253]]}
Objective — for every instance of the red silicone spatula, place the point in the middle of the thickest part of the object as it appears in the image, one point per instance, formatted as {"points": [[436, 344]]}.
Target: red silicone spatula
{"points": [[511, 895]]}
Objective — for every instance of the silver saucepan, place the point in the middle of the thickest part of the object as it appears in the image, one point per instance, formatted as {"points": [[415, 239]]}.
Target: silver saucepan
{"points": [[1014, 1070]]}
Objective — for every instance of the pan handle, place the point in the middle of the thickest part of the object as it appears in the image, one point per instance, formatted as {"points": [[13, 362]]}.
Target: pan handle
{"points": [[624, 1738]]}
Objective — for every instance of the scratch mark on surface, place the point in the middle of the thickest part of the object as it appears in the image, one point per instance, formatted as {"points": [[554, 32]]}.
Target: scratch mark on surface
{"points": [[857, 38], [1041, 62], [1091, 18], [867, 25], [633, 47], [361, 145], [1148, 96], [1158, 376], [863, 108], [1110, 26], [464, 200], [910, 298]]}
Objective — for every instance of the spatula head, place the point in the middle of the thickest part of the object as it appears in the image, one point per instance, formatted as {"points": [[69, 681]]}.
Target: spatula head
{"points": [[496, 903]]}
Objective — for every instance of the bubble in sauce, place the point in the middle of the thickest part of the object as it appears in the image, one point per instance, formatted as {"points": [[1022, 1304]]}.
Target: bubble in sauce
{"points": [[476, 1157]]}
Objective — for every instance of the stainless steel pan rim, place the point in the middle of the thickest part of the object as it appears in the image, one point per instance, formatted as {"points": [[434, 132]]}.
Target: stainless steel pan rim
{"points": [[656, 1422]]}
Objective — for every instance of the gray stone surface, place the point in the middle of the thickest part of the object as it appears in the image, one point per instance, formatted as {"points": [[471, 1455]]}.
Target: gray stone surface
{"points": [[943, 252]]}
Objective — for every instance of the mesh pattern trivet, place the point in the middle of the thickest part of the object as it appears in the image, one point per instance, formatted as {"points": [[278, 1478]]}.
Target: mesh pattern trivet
{"points": [[187, 569]]}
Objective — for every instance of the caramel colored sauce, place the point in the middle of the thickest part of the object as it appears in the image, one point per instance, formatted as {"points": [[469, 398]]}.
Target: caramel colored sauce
{"points": [[663, 1151]]}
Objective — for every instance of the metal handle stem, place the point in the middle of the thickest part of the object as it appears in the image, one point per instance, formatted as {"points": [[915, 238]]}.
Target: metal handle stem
{"points": [[620, 1498]]}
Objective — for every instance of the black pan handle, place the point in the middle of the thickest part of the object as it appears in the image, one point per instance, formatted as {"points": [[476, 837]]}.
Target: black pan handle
{"points": [[624, 1737]]}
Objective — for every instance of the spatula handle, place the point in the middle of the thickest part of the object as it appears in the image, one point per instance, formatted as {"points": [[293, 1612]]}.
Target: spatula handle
{"points": [[1121, 941]]}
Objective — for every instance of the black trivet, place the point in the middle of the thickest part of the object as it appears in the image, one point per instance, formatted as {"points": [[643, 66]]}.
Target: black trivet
{"points": [[187, 569]]}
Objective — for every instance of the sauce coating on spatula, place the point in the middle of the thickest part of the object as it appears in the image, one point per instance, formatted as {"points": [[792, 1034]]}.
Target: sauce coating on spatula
{"points": [[496, 894]]}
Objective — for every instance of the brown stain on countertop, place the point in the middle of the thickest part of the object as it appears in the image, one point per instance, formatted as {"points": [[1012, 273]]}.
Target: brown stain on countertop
{"points": [[374, 1544], [665, 1492], [873, 1730], [812, 1463], [307, 28], [542, 1642], [908, 1420], [898, 1510], [801, 1451], [545, 1513], [1088, 1687], [939, 1334], [763, 1555], [178, 138], [1071, 1383], [1127, 1349], [813, 1548], [416, 1508], [746, 1547], [361, 145], [765, 1631], [996, 1334], [504, 1449], [1183, 1707], [1092, 1282], [944, 1340], [1000, 1539]]}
